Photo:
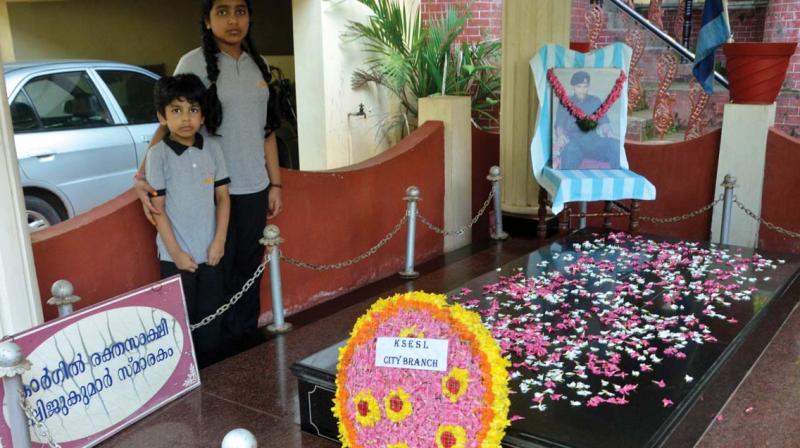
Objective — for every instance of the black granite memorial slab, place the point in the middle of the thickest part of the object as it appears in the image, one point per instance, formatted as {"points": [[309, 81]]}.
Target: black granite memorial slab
{"points": [[316, 379], [670, 405]]}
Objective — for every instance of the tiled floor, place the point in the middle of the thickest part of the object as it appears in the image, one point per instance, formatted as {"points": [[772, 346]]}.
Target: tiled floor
{"points": [[256, 390], [765, 410]]}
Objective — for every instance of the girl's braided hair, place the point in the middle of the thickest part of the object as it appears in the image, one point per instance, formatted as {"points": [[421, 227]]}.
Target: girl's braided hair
{"points": [[213, 110]]}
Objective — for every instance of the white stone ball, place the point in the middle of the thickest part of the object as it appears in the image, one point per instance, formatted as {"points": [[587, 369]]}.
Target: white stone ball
{"points": [[239, 438]]}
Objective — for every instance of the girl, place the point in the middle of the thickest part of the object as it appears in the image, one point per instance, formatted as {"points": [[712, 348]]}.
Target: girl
{"points": [[237, 79]]}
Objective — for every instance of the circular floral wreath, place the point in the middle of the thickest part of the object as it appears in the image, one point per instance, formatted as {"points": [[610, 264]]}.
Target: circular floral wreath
{"points": [[465, 406]]}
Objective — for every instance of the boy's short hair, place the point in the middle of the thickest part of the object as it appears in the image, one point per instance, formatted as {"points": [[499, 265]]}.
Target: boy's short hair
{"points": [[185, 86]]}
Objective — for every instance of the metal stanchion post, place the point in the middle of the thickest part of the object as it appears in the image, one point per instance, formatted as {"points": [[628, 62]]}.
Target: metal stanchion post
{"points": [[239, 438], [727, 206], [12, 365], [584, 209], [272, 240], [412, 197], [495, 176], [63, 297]]}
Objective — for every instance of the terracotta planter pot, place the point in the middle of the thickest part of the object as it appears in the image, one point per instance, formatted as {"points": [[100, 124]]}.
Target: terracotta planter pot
{"points": [[583, 47], [756, 70]]}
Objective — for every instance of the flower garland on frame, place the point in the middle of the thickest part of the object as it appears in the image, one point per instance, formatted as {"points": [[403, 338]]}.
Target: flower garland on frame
{"points": [[464, 406], [586, 122]]}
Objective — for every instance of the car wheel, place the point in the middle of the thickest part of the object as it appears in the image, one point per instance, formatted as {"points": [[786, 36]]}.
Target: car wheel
{"points": [[40, 213]]}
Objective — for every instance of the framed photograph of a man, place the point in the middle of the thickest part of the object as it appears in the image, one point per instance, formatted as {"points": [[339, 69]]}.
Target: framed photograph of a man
{"points": [[585, 118]]}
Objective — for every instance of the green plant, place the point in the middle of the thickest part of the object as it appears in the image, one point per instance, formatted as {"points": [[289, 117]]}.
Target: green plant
{"points": [[413, 60]]}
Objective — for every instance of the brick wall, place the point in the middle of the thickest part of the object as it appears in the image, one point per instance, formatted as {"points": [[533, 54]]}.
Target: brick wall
{"points": [[783, 25], [486, 20], [578, 32], [747, 25]]}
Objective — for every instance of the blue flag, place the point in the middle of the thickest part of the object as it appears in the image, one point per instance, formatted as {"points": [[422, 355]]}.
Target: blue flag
{"points": [[714, 32]]}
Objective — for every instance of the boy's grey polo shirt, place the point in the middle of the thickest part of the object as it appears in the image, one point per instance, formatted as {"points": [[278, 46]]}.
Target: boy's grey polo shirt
{"points": [[187, 176], [244, 94]]}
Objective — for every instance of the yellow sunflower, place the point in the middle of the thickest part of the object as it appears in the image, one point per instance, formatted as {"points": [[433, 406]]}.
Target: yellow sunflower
{"points": [[397, 405], [368, 411], [397, 445], [411, 332], [451, 436], [455, 383]]}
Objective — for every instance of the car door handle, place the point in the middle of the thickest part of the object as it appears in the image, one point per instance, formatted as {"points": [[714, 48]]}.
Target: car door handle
{"points": [[46, 157]]}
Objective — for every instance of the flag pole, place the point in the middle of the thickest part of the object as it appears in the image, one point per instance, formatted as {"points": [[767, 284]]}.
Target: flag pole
{"points": [[727, 19]]}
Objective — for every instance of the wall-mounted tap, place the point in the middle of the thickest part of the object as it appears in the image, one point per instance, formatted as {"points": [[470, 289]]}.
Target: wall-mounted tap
{"points": [[360, 113]]}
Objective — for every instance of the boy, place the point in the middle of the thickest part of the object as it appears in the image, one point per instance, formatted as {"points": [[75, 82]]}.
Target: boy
{"points": [[191, 183]]}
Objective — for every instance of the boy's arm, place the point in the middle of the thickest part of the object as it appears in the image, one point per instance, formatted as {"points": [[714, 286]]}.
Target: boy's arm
{"points": [[182, 260], [223, 206], [140, 185]]}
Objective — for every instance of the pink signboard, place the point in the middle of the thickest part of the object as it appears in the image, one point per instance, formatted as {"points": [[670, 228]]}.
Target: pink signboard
{"points": [[100, 369]]}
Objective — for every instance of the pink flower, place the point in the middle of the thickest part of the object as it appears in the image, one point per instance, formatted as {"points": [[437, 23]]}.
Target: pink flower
{"points": [[666, 402], [594, 401], [660, 383], [626, 389]]}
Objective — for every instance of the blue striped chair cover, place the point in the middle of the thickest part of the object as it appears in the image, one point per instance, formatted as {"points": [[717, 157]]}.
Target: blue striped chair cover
{"points": [[582, 185]]}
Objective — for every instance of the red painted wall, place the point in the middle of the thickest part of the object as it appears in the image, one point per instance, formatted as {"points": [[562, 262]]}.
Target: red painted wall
{"points": [[684, 174], [779, 197], [104, 252], [336, 215], [329, 217]]}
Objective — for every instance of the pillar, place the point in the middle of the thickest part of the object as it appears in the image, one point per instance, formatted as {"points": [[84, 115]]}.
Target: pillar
{"points": [[742, 153], [455, 112], [527, 26], [6, 41], [20, 307]]}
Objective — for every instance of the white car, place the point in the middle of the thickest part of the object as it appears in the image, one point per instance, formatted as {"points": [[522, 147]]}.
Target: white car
{"points": [[81, 129]]}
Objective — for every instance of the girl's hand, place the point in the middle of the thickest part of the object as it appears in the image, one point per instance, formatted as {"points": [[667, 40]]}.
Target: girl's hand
{"points": [[274, 202], [184, 262], [144, 192], [215, 252]]}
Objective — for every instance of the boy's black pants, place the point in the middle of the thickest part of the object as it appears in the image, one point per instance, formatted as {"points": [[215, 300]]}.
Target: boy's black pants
{"points": [[204, 290]]}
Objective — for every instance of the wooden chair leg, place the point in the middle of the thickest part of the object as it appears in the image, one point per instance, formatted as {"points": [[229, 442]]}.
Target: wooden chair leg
{"points": [[607, 219], [541, 229], [634, 223], [563, 221]]}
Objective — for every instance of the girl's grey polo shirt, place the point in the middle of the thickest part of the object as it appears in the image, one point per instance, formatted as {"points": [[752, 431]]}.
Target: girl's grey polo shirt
{"points": [[244, 94], [187, 176]]}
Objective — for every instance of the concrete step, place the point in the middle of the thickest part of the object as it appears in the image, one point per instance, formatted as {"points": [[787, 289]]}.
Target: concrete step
{"points": [[640, 127], [640, 123]]}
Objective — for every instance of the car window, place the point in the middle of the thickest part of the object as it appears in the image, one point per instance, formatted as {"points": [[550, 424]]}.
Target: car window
{"points": [[23, 116], [67, 101], [134, 93]]}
